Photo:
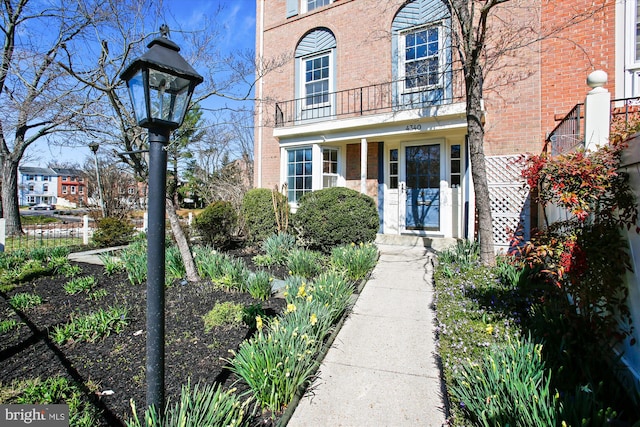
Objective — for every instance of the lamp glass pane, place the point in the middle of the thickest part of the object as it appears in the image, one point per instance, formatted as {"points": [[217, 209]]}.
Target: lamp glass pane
{"points": [[136, 91], [169, 96]]}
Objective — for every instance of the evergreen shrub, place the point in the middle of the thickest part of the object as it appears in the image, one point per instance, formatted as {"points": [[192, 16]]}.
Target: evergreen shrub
{"points": [[336, 216], [259, 214], [216, 223], [113, 232]]}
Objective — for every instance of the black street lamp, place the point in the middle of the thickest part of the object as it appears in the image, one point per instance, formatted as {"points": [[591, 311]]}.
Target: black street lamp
{"points": [[160, 84], [94, 148]]}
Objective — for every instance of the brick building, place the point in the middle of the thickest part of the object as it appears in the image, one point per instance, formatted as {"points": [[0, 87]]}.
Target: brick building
{"points": [[372, 97]]}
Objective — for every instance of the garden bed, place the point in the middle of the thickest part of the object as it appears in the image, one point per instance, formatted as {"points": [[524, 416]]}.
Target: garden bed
{"points": [[112, 370]]}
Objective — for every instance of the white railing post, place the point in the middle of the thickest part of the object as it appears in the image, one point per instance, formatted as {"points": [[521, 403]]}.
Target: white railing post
{"points": [[597, 114], [145, 221], [3, 234], [85, 229], [190, 218]]}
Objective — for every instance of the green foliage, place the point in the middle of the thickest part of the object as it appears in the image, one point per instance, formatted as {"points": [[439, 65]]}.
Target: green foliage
{"points": [[173, 262], [355, 261], [276, 361], [224, 271], [277, 248], [113, 232], [8, 325], [223, 314], [510, 387], [111, 264], [336, 216], [259, 285], [79, 284], [134, 258], [59, 390], [216, 224], [24, 300], [97, 295], [304, 263], [91, 327], [259, 215], [202, 406], [464, 255], [62, 266]]}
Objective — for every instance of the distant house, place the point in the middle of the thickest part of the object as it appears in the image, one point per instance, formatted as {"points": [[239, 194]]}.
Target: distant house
{"points": [[37, 185], [55, 186], [72, 187]]}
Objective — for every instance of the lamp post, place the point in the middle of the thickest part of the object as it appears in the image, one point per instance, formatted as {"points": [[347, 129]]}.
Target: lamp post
{"points": [[94, 147], [160, 84]]}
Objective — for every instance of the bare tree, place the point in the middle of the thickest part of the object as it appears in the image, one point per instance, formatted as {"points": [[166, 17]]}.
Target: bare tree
{"points": [[37, 97]]}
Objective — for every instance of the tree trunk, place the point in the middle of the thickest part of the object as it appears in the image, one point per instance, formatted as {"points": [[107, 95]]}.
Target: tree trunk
{"points": [[10, 205], [475, 131], [181, 241]]}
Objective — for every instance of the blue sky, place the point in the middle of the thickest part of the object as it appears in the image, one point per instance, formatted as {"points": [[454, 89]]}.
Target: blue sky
{"points": [[237, 31]]}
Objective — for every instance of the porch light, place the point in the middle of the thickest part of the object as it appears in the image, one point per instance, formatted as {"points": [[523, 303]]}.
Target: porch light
{"points": [[160, 84]]}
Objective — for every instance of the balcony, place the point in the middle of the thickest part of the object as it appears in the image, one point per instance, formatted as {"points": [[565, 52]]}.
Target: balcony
{"points": [[568, 135], [389, 97]]}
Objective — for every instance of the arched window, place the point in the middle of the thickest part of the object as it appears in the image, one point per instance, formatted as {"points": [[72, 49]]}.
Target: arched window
{"points": [[422, 48], [315, 74]]}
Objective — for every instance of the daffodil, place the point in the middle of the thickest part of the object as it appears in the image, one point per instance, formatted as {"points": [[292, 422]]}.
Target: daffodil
{"points": [[291, 308], [314, 319], [258, 322], [489, 329]]}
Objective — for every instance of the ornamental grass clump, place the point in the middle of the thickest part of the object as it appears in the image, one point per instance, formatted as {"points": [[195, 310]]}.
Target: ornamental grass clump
{"points": [[509, 387], [259, 285], [224, 271], [92, 327], [24, 301], [79, 284], [356, 261], [276, 362], [304, 263], [134, 258], [203, 406], [276, 249]]}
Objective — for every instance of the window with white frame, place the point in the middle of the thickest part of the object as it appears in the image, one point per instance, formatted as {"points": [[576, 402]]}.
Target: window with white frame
{"points": [[31, 188], [31, 199], [81, 190], [314, 4], [329, 167], [393, 168], [45, 187], [64, 189], [316, 80], [73, 189], [421, 58], [299, 173], [632, 54]]}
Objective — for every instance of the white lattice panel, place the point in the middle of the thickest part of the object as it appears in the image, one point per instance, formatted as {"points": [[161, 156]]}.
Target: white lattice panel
{"points": [[509, 198]]}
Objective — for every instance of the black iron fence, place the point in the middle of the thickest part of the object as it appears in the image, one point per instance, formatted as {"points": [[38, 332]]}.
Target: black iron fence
{"points": [[378, 98]]}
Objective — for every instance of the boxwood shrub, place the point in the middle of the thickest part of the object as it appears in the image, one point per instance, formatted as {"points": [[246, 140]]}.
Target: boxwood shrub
{"points": [[113, 232], [336, 216], [259, 215], [216, 224]]}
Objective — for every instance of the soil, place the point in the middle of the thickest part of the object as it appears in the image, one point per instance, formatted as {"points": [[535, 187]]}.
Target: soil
{"points": [[117, 363]]}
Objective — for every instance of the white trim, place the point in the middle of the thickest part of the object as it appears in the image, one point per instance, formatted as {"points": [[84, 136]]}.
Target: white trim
{"points": [[304, 6], [630, 40], [442, 54]]}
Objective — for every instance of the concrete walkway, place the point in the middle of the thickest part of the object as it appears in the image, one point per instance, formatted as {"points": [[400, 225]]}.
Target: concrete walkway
{"points": [[382, 368]]}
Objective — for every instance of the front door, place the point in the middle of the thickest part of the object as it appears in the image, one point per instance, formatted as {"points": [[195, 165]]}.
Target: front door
{"points": [[422, 180]]}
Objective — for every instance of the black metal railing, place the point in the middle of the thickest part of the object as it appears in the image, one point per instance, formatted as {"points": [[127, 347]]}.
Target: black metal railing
{"points": [[569, 133], [378, 98], [623, 112]]}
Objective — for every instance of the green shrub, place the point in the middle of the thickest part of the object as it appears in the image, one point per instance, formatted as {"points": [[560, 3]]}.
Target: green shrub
{"points": [[259, 214], [223, 314], [216, 224], [336, 216], [113, 232]]}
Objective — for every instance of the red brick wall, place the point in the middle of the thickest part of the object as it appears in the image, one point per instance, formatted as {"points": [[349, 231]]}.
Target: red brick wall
{"points": [[571, 55], [523, 92]]}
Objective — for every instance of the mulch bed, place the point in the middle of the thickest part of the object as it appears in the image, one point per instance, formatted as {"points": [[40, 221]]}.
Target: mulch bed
{"points": [[117, 363]]}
